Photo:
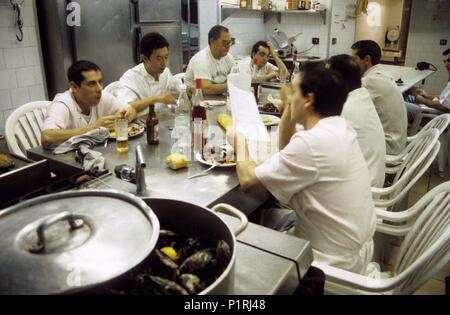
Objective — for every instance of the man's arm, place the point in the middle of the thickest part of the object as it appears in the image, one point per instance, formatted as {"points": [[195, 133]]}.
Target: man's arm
{"points": [[287, 124], [140, 105], [209, 88], [280, 64], [245, 168], [57, 136], [431, 103]]}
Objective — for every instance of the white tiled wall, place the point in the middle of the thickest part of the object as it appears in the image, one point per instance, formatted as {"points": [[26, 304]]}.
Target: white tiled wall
{"points": [[247, 28], [21, 73], [427, 27]]}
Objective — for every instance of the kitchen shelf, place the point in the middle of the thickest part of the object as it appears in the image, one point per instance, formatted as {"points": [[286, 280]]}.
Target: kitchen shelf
{"points": [[227, 12]]}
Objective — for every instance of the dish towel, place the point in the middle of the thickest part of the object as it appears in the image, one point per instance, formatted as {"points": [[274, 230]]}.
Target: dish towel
{"points": [[90, 139], [92, 160]]}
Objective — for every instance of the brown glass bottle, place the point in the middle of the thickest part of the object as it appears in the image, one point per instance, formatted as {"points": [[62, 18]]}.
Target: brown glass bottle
{"points": [[152, 126]]}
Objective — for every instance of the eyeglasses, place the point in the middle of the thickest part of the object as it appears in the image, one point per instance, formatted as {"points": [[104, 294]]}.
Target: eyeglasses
{"points": [[229, 43], [447, 60]]}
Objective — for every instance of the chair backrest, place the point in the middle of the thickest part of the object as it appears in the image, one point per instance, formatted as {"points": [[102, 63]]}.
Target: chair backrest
{"points": [[440, 123], [421, 153], [23, 127], [426, 248], [112, 87]]}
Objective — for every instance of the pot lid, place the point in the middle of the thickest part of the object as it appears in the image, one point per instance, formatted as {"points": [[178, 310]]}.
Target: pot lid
{"points": [[69, 241]]}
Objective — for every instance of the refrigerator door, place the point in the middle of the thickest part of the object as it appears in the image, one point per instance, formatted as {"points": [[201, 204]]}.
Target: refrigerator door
{"points": [[172, 32], [159, 11], [106, 36]]}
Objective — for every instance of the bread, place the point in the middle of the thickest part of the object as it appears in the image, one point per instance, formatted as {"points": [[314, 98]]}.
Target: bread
{"points": [[224, 120], [176, 161]]}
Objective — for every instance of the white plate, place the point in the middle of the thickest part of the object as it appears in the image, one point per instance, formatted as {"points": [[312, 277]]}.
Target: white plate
{"points": [[274, 120], [112, 135], [200, 158]]}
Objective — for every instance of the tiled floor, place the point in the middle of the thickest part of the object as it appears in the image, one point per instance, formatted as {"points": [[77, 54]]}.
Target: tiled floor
{"points": [[437, 284]]}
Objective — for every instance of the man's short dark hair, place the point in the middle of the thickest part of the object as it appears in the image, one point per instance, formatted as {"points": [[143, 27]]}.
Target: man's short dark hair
{"points": [[255, 47], [445, 53], [326, 85], [215, 31], [152, 41], [370, 48], [74, 73], [348, 69]]}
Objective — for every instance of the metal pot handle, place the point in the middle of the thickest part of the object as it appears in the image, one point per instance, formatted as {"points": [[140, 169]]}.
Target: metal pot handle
{"points": [[75, 223], [226, 208]]}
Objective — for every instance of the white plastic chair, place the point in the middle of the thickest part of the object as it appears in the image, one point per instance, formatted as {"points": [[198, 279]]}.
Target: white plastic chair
{"points": [[421, 113], [112, 87], [424, 252], [421, 153], [440, 123], [23, 127]]}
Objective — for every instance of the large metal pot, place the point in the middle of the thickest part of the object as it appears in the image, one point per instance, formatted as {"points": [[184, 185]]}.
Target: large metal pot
{"points": [[72, 241], [190, 219], [87, 241]]}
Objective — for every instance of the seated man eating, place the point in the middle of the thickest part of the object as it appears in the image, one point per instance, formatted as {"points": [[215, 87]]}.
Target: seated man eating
{"points": [[83, 107], [319, 173]]}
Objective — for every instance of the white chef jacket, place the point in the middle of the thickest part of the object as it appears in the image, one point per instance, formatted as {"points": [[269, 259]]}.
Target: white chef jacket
{"points": [[137, 84], [390, 106], [204, 66], [65, 113], [253, 70], [321, 174], [360, 113]]}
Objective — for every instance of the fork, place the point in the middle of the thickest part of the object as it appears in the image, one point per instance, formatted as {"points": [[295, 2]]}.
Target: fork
{"points": [[205, 172]]}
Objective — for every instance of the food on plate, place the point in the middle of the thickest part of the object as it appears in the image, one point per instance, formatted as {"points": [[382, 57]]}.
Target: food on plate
{"points": [[266, 120], [132, 130], [221, 153], [176, 161], [269, 108]]}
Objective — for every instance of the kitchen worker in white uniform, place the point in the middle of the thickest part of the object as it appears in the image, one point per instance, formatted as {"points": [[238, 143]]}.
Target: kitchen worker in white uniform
{"points": [[319, 173], [385, 95], [360, 113], [84, 107], [442, 102], [151, 81], [258, 65], [213, 63]]}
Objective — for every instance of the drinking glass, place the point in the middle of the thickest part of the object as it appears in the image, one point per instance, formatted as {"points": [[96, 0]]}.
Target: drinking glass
{"points": [[121, 135]]}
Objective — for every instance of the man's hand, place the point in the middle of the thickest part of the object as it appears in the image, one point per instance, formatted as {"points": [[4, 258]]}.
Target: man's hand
{"points": [[271, 48], [420, 92], [420, 99], [128, 113], [285, 94], [106, 121], [167, 99]]}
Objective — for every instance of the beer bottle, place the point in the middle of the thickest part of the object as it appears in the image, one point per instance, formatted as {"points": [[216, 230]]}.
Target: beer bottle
{"points": [[152, 126]]}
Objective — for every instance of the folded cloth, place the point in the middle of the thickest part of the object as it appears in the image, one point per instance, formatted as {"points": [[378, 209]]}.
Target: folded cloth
{"points": [[92, 160], [90, 139]]}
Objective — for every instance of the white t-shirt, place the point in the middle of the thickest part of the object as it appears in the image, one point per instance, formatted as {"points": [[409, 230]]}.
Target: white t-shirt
{"points": [[204, 66], [321, 174], [390, 106], [444, 98], [360, 113], [64, 112], [253, 70], [137, 84]]}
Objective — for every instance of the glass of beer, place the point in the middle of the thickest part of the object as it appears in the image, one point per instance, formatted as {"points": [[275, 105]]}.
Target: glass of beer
{"points": [[122, 135]]}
